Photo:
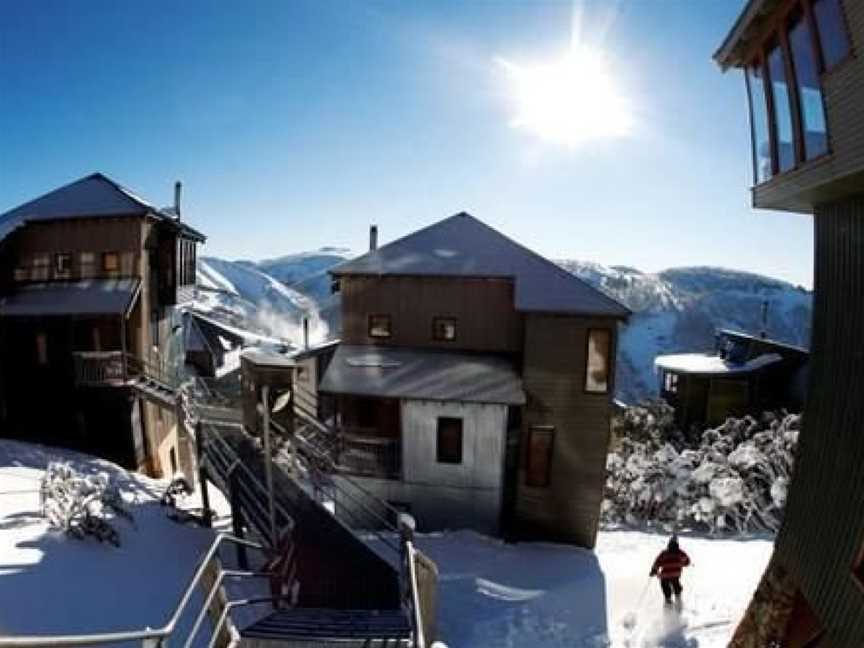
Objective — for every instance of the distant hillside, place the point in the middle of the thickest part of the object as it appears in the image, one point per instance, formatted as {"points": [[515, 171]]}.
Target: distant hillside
{"points": [[675, 310]]}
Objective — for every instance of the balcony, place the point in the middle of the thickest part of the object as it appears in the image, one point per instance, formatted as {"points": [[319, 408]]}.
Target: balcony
{"points": [[101, 368]]}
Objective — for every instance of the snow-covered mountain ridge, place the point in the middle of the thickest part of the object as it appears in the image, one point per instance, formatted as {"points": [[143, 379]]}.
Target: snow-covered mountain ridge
{"points": [[675, 310]]}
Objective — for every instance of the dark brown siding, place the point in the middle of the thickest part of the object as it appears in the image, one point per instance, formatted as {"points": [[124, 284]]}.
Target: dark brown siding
{"points": [[554, 380], [824, 528], [483, 308]]}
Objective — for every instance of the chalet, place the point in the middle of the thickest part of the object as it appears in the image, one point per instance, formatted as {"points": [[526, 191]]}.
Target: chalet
{"points": [[803, 66], [472, 385], [90, 279], [745, 374]]}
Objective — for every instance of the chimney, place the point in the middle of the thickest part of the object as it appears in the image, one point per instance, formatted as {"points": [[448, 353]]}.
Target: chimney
{"points": [[178, 191], [305, 332], [373, 238], [764, 332]]}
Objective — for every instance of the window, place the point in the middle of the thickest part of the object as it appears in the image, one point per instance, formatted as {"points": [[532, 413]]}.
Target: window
{"points": [[41, 266], [379, 326], [41, 349], [110, 261], [815, 133], [449, 448], [597, 361], [172, 455], [154, 328], [444, 329], [832, 31], [783, 134], [62, 264], [335, 286], [759, 123], [670, 382], [539, 459], [87, 261]]}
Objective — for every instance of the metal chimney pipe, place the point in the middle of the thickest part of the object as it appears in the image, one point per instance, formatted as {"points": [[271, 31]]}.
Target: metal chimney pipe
{"points": [[373, 238], [305, 332], [178, 192], [764, 332]]}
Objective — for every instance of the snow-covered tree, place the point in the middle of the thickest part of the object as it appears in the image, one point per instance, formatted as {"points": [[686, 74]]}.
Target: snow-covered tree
{"points": [[734, 478]]}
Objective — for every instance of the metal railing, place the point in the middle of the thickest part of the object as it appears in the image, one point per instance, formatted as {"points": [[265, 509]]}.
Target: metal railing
{"points": [[116, 368], [158, 637]]}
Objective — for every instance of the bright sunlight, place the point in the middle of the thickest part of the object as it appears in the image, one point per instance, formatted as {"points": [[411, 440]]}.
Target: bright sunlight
{"points": [[569, 101]]}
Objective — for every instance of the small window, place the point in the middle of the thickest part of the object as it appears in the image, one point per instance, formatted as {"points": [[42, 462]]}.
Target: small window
{"points": [[379, 326], [597, 361], [832, 31], [110, 261], [335, 286], [444, 329], [62, 264], [670, 383], [539, 460], [41, 349], [41, 267], [449, 440], [87, 261]]}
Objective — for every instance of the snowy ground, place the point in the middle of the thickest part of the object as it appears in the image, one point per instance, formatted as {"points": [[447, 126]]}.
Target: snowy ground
{"points": [[50, 584], [535, 594]]}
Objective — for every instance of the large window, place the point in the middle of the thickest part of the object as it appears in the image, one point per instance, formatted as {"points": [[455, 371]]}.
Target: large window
{"points": [[815, 142], [782, 109], [449, 442], [539, 460], [832, 31], [759, 119], [597, 361]]}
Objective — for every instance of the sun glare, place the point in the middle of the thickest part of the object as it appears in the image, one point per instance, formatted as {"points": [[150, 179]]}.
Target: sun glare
{"points": [[569, 101]]}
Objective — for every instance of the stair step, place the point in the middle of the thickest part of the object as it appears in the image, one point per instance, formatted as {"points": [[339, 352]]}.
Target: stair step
{"points": [[345, 627]]}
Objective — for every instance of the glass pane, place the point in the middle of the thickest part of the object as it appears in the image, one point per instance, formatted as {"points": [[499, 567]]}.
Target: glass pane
{"points": [[832, 31], [782, 109], [809, 90], [761, 139], [597, 369]]}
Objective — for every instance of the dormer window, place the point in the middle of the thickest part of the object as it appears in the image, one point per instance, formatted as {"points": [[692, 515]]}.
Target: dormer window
{"points": [[444, 329], [379, 326]]}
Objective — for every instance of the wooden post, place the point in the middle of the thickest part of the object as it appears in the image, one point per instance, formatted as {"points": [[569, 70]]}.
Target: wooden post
{"points": [[206, 514], [237, 520]]}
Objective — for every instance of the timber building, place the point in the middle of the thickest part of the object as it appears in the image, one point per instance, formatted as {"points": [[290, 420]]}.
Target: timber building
{"points": [[90, 278], [472, 385], [802, 62]]}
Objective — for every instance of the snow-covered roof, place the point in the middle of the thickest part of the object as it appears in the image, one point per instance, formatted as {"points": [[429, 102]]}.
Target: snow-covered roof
{"points": [[86, 297], [422, 374], [700, 363], [93, 196], [462, 246]]}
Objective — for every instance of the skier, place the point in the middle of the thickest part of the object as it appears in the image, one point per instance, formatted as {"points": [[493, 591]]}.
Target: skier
{"points": [[668, 567]]}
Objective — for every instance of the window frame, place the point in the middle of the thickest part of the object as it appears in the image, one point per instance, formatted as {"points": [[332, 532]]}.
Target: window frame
{"points": [[107, 255], [438, 430], [609, 356], [369, 326], [444, 318], [550, 455]]}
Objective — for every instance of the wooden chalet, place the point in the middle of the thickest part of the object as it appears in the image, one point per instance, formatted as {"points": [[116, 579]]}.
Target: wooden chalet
{"points": [[90, 278], [802, 62], [745, 374], [473, 382]]}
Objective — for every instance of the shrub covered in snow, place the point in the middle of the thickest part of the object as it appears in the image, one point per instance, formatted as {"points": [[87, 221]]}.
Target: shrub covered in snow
{"points": [[79, 504], [732, 478]]}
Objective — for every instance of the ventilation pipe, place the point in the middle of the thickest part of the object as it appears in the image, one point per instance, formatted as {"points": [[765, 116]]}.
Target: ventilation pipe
{"points": [[305, 332], [373, 238], [764, 332], [178, 192]]}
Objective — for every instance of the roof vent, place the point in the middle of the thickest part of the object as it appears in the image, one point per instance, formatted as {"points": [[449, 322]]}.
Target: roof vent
{"points": [[178, 192], [373, 238]]}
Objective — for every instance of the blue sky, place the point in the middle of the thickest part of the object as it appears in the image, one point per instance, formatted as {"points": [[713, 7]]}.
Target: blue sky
{"points": [[297, 124]]}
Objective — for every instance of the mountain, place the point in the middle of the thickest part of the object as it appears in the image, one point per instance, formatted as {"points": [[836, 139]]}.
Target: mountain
{"points": [[674, 311]]}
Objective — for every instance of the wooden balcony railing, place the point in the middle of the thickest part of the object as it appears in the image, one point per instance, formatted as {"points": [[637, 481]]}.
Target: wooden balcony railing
{"points": [[93, 368]]}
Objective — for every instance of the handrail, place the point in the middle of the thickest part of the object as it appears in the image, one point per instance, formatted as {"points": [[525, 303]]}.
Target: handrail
{"points": [[156, 635], [414, 587]]}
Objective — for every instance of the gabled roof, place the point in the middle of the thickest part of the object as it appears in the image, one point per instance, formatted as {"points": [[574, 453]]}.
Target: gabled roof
{"points": [[96, 196], [462, 246]]}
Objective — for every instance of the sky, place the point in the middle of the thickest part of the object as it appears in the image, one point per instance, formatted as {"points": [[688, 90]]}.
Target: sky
{"points": [[295, 125]]}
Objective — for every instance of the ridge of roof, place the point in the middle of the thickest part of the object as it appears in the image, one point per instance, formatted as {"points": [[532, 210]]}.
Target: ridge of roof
{"points": [[513, 260]]}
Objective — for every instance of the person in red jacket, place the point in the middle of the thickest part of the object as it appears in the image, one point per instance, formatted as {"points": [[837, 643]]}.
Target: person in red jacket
{"points": [[668, 567]]}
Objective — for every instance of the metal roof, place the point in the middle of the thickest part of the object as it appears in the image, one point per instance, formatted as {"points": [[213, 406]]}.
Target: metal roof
{"points": [[422, 374], [93, 196], [87, 297], [462, 246]]}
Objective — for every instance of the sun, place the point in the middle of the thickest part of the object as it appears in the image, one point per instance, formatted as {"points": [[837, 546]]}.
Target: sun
{"points": [[570, 100]]}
